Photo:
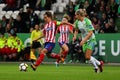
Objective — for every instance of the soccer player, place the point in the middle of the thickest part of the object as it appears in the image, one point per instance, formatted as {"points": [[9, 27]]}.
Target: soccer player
{"points": [[88, 38], [64, 29], [49, 32], [35, 34]]}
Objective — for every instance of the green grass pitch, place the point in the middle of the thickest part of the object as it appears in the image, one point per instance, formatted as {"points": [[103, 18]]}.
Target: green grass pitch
{"points": [[10, 71]]}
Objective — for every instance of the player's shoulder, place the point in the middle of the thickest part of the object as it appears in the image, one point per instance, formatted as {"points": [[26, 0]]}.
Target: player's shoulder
{"points": [[87, 21]]}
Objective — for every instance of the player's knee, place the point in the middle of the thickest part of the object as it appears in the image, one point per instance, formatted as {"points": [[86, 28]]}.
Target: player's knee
{"points": [[66, 50], [87, 57]]}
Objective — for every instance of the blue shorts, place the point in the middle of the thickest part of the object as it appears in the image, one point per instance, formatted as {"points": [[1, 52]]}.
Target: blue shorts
{"points": [[49, 46], [61, 43]]}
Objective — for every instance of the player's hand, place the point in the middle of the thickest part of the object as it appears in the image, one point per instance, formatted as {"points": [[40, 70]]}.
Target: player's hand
{"points": [[81, 43]]}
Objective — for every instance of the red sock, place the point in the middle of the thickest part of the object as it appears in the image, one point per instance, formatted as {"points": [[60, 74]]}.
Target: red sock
{"points": [[56, 56], [64, 54], [40, 59]]}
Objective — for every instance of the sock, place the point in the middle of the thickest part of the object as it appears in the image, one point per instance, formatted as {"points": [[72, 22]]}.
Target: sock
{"points": [[97, 62], [92, 60], [32, 55], [64, 54], [56, 56], [40, 59]]}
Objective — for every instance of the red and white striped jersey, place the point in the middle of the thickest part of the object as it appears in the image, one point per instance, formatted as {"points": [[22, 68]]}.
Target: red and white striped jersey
{"points": [[50, 31], [64, 33]]}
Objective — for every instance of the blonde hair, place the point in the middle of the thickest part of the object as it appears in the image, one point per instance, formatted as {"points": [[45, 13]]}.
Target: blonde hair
{"points": [[67, 17], [81, 12]]}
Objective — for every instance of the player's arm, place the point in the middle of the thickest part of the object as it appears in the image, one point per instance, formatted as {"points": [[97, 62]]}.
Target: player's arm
{"points": [[75, 30], [90, 29], [42, 36], [75, 34], [87, 37], [71, 29]]}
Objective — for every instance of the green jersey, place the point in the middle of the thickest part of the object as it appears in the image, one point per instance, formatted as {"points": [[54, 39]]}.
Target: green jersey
{"points": [[85, 26]]}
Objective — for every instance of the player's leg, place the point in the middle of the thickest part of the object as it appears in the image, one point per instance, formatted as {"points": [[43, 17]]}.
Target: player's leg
{"points": [[91, 59], [40, 59], [32, 56], [35, 45], [47, 49], [32, 50], [88, 49], [65, 50]]}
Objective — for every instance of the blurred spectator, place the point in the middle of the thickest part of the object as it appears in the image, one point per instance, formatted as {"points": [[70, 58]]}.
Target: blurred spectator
{"points": [[76, 5], [97, 29], [94, 21], [2, 30], [8, 27], [4, 22], [106, 28], [2, 1], [100, 12], [11, 5], [33, 18], [40, 5], [32, 3], [11, 21], [25, 17], [48, 5], [20, 25], [70, 11], [113, 27], [103, 20], [20, 4], [113, 7], [71, 14], [75, 51], [108, 12]]}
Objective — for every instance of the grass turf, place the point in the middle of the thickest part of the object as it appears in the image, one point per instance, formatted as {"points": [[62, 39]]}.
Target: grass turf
{"points": [[10, 71]]}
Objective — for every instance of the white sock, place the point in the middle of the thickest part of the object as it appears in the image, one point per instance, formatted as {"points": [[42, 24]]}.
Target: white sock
{"points": [[97, 62], [92, 60]]}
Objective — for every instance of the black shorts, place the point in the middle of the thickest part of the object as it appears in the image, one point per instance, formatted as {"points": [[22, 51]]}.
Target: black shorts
{"points": [[36, 45]]}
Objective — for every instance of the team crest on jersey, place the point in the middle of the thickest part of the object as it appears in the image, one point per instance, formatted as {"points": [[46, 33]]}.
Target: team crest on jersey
{"points": [[63, 32], [47, 29], [90, 26]]}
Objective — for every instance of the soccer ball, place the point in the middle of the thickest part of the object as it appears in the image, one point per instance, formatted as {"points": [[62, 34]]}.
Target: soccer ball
{"points": [[23, 67]]}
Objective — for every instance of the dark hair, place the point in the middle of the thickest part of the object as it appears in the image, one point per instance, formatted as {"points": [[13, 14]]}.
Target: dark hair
{"points": [[49, 14]]}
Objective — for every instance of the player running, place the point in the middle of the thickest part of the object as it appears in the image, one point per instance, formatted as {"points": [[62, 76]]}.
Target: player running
{"points": [[88, 38], [64, 30], [49, 32]]}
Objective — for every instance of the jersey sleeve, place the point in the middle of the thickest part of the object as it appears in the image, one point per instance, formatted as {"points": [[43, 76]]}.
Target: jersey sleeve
{"points": [[58, 23], [89, 25], [71, 28], [76, 24]]}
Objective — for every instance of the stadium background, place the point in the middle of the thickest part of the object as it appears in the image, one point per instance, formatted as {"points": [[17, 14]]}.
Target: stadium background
{"points": [[108, 47]]}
